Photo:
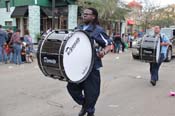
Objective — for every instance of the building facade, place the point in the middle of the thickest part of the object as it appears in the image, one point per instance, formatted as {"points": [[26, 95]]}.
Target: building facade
{"points": [[134, 17], [36, 15]]}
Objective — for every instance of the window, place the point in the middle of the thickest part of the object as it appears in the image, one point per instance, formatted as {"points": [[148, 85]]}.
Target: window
{"points": [[63, 22], [7, 3], [8, 23], [25, 23], [18, 23]]}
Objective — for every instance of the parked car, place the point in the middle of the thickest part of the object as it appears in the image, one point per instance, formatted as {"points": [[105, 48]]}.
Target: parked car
{"points": [[169, 32], [136, 48]]}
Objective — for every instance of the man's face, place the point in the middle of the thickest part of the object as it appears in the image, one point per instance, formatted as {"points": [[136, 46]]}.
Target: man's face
{"points": [[18, 33], [156, 29], [87, 16]]}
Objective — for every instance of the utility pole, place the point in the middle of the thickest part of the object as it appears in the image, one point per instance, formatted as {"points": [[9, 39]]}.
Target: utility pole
{"points": [[53, 14]]}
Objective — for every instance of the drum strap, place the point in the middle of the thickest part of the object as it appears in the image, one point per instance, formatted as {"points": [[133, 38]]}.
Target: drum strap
{"points": [[161, 39], [91, 31], [161, 42]]}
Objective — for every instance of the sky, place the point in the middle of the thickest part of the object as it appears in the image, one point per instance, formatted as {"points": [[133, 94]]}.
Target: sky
{"points": [[157, 2]]}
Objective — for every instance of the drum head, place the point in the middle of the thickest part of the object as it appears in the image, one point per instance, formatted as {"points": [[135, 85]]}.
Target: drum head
{"points": [[78, 57], [158, 50]]}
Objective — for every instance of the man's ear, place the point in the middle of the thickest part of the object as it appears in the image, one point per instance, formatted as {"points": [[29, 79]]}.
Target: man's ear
{"points": [[173, 32], [93, 17]]}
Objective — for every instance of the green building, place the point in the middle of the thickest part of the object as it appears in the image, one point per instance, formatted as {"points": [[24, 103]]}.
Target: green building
{"points": [[36, 15]]}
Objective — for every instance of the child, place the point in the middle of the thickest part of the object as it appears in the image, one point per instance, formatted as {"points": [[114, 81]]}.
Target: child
{"points": [[6, 52], [23, 54], [29, 46], [29, 56]]}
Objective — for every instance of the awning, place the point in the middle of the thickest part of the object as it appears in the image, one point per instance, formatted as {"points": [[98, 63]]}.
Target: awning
{"points": [[20, 12], [130, 22], [47, 11]]}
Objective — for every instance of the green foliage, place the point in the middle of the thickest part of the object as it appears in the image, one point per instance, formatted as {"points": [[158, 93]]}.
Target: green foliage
{"points": [[38, 36], [164, 22], [108, 9]]}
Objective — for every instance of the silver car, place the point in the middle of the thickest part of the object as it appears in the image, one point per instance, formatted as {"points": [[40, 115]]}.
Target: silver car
{"points": [[169, 32], [136, 48]]}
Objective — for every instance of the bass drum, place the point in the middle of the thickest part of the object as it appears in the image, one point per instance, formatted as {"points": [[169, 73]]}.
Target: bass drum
{"points": [[65, 55], [150, 49]]}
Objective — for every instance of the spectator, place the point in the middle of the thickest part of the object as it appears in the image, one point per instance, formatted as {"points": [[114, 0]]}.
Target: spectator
{"points": [[9, 34], [117, 42], [130, 40], [17, 43], [3, 38], [29, 46], [123, 42]]}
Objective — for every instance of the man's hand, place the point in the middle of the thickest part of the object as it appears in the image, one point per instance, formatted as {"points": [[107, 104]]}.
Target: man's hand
{"points": [[164, 44], [101, 54]]}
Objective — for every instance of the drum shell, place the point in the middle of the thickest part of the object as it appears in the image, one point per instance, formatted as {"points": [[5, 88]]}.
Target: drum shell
{"points": [[51, 50], [149, 49], [50, 56]]}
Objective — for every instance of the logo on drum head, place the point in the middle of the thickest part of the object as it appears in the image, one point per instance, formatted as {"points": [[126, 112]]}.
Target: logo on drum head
{"points": [[85, 70], [69, 50], [147, 52], [51, 61]]}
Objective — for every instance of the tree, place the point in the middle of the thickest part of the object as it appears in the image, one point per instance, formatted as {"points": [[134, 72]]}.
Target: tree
{"points": [[148, 13], [165, 17], [154, 15], [164, 22], [109, 10]]}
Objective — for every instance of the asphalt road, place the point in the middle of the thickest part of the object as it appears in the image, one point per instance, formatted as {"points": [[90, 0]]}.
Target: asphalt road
{"points": [[125, 90]]}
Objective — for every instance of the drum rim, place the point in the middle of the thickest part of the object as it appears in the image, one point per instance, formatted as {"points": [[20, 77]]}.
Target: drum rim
{"points": [[92, 59], [39, 58], [41, 46], [61, 66], [158, 52]]}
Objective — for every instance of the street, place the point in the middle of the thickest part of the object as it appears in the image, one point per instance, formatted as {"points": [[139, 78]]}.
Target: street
{"points": [[125, 90]]}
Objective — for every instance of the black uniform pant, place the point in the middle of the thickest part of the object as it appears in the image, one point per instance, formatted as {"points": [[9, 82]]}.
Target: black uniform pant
{"points": [[87, 92], [154, 68]]}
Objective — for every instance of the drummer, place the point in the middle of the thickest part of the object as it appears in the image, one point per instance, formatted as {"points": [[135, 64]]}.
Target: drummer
{"points": [[87, 92], [154, 67]]}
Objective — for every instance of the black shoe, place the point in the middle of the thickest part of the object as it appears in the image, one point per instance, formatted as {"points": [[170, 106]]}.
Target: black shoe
{"points": [[82, 112], [90, 114], [153, 82]]}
